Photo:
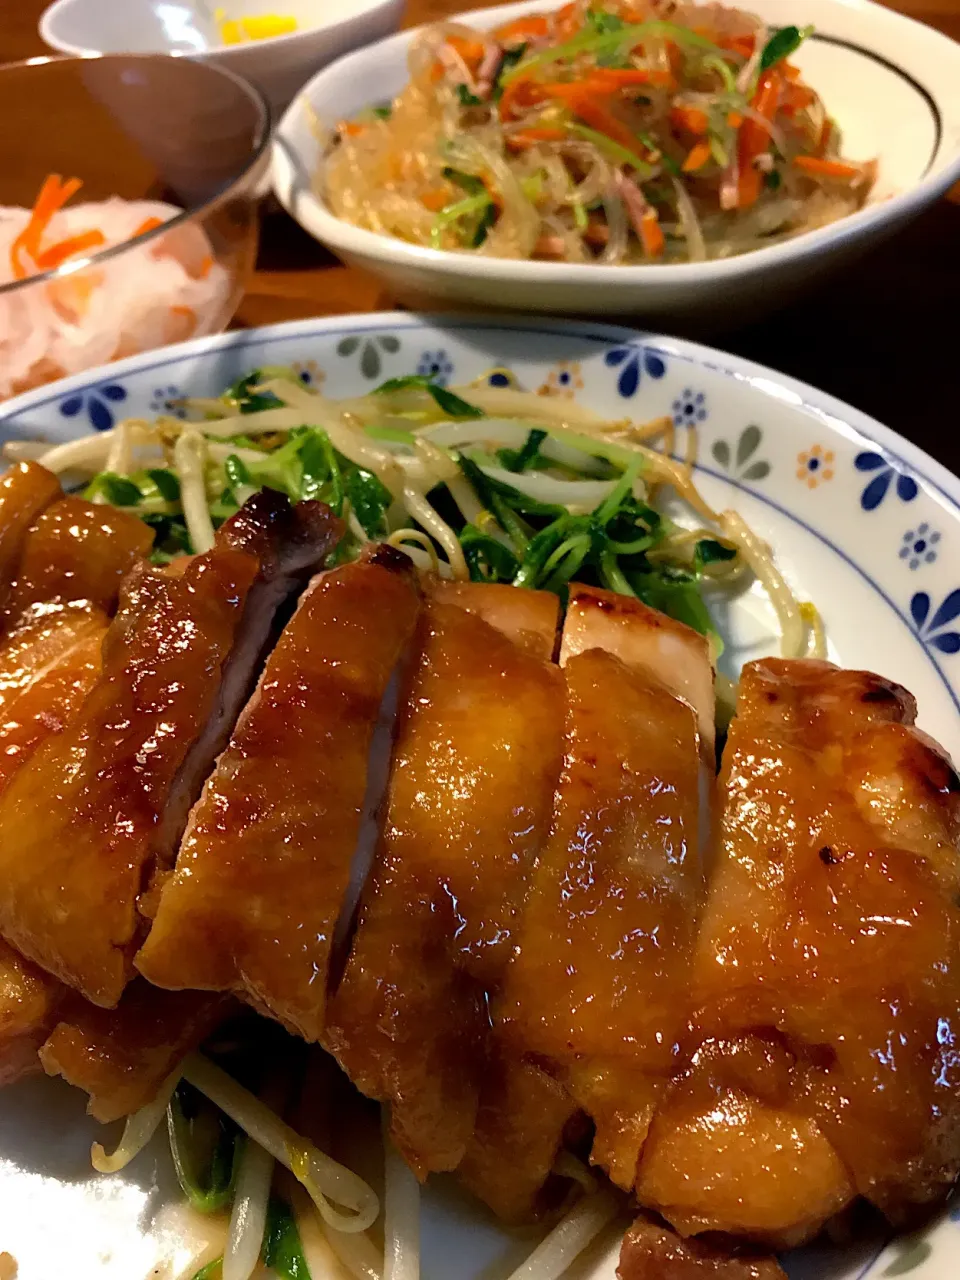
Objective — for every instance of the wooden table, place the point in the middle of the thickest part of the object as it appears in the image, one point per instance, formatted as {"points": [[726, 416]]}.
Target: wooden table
{"points": [[883, 335]]}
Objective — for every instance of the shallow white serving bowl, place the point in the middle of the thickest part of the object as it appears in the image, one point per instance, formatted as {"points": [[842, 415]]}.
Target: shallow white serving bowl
{"points": [[278, 66], [891, 83], [861, 521]]}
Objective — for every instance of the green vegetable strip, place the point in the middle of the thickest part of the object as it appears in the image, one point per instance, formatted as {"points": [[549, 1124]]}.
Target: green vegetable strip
{"points": [[282, 1250], [602, 42], [781, 44], [211, 1190]]}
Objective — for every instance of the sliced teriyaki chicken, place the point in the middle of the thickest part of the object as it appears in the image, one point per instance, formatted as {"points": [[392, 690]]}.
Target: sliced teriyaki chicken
{"points": [[76, 552], [471, 792], [65, 584], [598, 983], [25, 489], [265, 868], [122, 1056], [57, 613], [651, 1251], [29, 999], [827, 990], [99, 808]]}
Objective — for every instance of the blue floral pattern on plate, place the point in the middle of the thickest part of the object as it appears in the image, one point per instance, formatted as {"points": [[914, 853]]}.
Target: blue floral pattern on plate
{"points": [[919, 545], [633, 362], [97, 401], [168, 400], [689, 408], [886, 473], [437, 365], [932, 630]]}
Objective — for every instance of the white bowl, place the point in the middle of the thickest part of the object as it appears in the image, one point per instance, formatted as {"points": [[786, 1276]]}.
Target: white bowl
{"points": [[890, 82], [278, 66]]}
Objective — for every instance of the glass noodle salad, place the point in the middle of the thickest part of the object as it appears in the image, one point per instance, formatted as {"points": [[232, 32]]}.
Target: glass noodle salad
{"points": [[489, 483], [609, 131]]}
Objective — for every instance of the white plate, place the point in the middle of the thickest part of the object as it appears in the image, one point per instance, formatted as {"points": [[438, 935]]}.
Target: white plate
{"points": [[863, 523], [889, 81]]}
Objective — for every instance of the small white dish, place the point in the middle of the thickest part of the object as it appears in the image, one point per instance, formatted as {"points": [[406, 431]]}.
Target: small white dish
{"points": [[862, 523], [889, 81], [278, 66]]}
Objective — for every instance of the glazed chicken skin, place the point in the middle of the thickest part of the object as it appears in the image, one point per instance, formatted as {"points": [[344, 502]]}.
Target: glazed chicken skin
{"points": [[267, 860], [475, 764], [177, 664], [25, 489], [598, 982], [64, 585], [827, 988], [651, 1251]]}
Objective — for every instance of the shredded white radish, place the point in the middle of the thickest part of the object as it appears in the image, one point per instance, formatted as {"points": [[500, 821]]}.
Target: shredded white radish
{"points": [[138, 1130], [584, 1222], [162, 291], [401, 1214], [324, 1178], [249, 1214]]}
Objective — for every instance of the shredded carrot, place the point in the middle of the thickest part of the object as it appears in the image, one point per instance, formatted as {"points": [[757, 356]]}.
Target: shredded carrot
{"points": [[59, 253], [206, 266], [471, 51], [690, 118], [791, 72], [821, 168], [534, 24], [435, 199], [616, 78], [734, 119], [350, 128], [519, 93], [525, 138], [567, 21], [148, 224], [651, 234], [582, 99], [744, 45], [797, 98], [755, 138], [54, 194], [826, 132], [697, 157], [184, 313]]}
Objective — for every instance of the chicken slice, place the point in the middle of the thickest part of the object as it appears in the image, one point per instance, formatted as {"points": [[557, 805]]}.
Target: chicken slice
{"points": [[833, 922], [76, 551], [122, 1056], [265, 866], [67, 578], [100, 807], [28, 1003], [598, 983], [25, 489], [471, 791], [653, 1252]]}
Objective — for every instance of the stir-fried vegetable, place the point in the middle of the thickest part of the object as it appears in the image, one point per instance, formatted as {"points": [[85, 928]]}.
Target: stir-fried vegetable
{"points": [[486, 483], [205, 1146], [608, 130], [282, 1250]]}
